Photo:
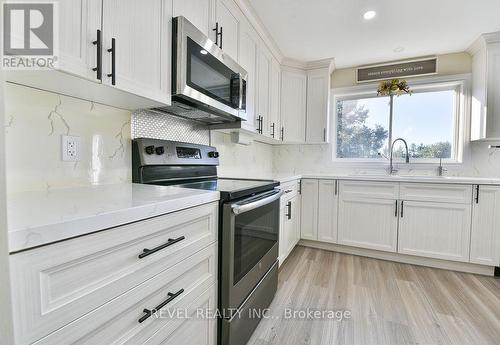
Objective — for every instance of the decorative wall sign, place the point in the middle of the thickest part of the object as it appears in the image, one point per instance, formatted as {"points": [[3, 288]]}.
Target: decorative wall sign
{"points": [[414, 68]]}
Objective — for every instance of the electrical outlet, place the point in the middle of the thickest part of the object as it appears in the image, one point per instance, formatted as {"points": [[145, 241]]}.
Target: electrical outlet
{"points": [[70, 148]]}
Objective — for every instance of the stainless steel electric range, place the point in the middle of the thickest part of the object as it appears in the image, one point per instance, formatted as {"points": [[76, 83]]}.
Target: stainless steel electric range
{"points": [[248, 227]]}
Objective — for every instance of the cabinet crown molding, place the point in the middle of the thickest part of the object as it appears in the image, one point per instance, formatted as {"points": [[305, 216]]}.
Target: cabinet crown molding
{"points": [[483, 41], [310, 65]]}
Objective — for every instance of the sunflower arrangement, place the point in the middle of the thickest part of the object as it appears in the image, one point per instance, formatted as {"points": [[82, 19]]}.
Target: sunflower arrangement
{"points": [[393, 87]]}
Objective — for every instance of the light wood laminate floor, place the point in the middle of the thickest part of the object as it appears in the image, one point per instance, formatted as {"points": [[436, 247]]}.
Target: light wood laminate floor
{"points": [[391, 303]]}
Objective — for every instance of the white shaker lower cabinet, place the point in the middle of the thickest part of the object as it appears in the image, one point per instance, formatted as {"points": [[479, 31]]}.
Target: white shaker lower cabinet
{"points": [[485, 236], [319, 210], [435, 230], [289, 220], [309, 210], [94, 289], [327, 211], [368, 223], [368, 215]]}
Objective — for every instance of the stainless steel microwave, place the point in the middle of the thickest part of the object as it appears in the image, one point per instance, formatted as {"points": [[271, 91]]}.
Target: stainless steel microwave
{"points": [[207, 85]]}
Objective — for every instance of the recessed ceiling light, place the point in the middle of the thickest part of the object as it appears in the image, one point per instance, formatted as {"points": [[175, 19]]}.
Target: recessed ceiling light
{"points": [[204, 52], [369, 15]]}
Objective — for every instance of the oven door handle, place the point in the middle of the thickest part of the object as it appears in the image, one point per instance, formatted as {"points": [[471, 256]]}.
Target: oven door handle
{"points": [[239, 208]]}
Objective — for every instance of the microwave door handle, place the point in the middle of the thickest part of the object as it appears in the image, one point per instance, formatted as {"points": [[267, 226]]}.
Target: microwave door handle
{"points": [[241, 93], [239, 209]]}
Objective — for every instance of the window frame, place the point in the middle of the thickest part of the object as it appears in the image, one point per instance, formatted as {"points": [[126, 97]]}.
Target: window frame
{"points": [[459, 83]]}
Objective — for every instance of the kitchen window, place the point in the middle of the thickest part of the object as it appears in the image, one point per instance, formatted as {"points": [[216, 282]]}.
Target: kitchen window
{"points": [[428, 119]]}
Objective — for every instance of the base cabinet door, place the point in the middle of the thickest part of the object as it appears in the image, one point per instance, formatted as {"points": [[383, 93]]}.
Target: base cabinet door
{"points": [[368, 223], [309, 210], [435, 230], [485, 236], [327, 211]]}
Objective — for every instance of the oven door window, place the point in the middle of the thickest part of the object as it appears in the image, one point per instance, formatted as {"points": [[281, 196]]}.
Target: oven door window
{"points": [[211, 77], [256, 232]]}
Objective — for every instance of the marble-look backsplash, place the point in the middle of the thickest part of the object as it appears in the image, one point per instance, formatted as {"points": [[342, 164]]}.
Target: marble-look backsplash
{"points": [[35, 122], [318, 159], [252, 161]]}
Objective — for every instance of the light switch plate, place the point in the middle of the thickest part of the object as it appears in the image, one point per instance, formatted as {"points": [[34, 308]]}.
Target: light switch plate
{"points": [[70, 148]]}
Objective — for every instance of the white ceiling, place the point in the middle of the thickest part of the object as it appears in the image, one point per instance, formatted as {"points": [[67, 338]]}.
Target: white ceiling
{"points": [[309, 30]]}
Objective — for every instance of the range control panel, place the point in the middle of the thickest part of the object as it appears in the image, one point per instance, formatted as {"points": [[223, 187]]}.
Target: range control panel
{"points": [[163, 152]]}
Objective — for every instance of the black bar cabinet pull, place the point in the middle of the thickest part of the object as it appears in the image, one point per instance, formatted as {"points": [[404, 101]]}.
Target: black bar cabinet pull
{"points": [[336, 187], [98, 43], [477, 194], [402, 208], [216, 33], [289, 206], [273, 127], [170, 242], [171, 297], [282, 133], [221, 37], [112, 50], [396, 209]]}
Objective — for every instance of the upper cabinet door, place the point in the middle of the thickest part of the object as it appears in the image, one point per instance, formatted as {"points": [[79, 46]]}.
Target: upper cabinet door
{"points": [[141, 30], [263, 68], [318, 90], [78, 25], [485, 237], [274, 99], [249, 42], [293, 104], [198, 12], [228, 17]]}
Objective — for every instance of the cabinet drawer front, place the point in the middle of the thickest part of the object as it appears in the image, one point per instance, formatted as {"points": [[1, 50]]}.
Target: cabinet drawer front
{"points": [[59, 283], [370, 190], [459, 194], [193, 329], [117, 322], [291, 190]]}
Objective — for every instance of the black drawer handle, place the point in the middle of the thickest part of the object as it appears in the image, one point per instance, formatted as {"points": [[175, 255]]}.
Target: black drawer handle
{"points": [[170, 242], [148, 313]]}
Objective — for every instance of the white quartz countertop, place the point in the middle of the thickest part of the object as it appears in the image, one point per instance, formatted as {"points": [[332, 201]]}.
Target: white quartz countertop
{"points": [[38, 218], [283, 178]]}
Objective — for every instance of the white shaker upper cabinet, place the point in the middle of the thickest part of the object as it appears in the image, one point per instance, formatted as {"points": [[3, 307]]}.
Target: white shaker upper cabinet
{"points": [[228, 17], [140, 61], [435, 230], [327, 211], [263, 72], [318, 105], [485, 123], [80, 21], [274, 100], [485, 237], [293, 104], [198, 12], [249, 42]]}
